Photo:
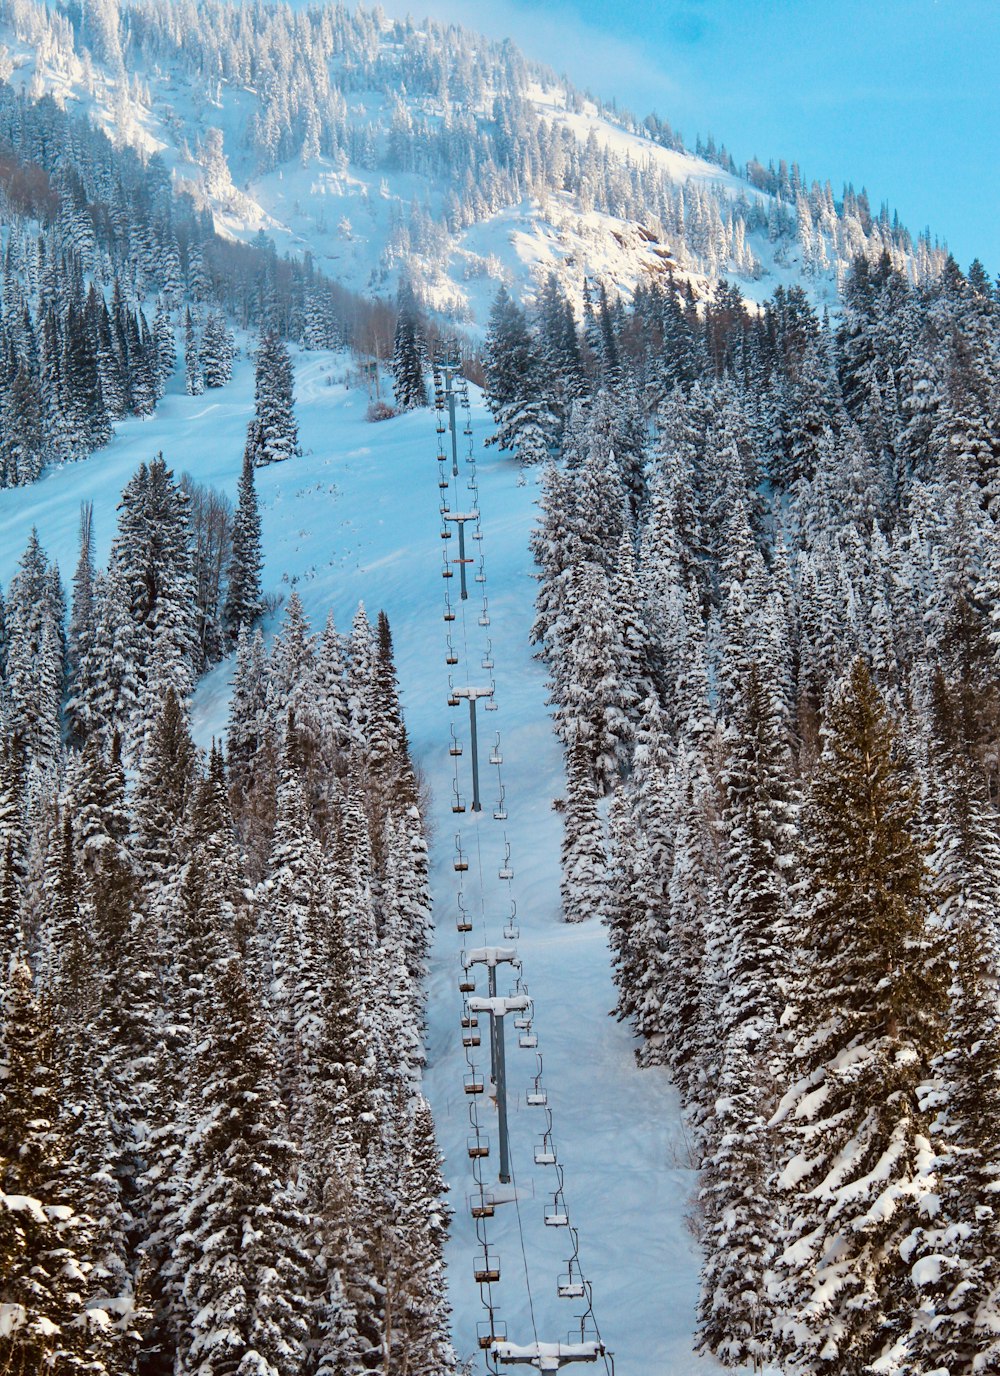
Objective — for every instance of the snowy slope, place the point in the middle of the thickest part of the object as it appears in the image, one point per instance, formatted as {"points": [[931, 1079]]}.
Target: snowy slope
{"points": [[356, 517], [345, 216]]}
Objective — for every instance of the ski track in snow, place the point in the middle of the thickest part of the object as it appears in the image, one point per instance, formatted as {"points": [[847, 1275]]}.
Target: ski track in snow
{"points": [[356, 517]]}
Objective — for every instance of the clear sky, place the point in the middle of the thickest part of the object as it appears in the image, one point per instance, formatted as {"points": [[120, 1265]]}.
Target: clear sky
{"points": [[900, 96]]}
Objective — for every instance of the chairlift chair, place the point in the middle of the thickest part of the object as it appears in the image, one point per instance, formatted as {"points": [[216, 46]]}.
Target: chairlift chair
{"points": [[486, 1270], [491, 1331]]}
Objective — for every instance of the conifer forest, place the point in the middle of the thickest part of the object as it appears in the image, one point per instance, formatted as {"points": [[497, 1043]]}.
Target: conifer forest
{"points": [[301, 308]]}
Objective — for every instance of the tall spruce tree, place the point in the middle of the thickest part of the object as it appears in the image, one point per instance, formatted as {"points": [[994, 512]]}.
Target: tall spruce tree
{"points": [[871, 1006]]}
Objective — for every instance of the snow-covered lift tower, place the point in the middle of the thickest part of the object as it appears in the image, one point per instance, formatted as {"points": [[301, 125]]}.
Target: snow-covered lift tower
{"points": [[498, 1010], [449, 370], [491, 957], [460, 518], [474, 694]]}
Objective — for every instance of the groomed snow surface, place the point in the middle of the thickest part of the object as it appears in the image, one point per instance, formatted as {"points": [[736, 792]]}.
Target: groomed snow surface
{"points": [[356, 517]]}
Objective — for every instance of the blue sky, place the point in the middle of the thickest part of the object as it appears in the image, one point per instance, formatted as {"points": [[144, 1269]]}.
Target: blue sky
{"points": [[901, 96]]}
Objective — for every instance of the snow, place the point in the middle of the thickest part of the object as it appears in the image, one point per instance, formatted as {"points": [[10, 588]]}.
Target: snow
{"points": [[356, 517]]}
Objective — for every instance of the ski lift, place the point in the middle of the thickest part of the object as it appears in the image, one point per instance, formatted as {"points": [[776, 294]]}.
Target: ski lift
{"points": [[449, 615], [446, 572], [556, 1216], [536, 1098], [505, 871], [484, 1209], [470, 1020], [453, 700], [478, 1147], [451, 657], [446, 533], [487, 1270], [511, 931], [571, 1286], [544, 1155], [490, 1332], [528, 1041], [487, 660], [495, 756], [463, 924], [461, 864], [455, 749], [473, 1085], [467, 986], [471, 1039]]}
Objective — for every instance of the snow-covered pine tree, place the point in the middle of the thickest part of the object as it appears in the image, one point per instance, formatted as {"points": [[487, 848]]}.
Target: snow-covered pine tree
{"points": [[194, 378], [409, 385], [243, 605], [737, 1192], [243, 1269], [870, 1011], [273, 434], [525, 425], [584, 862]]}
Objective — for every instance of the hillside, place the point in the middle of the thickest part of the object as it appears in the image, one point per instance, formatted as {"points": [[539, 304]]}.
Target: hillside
{"points": [[733, 476], [394, 148], [356, 518]]}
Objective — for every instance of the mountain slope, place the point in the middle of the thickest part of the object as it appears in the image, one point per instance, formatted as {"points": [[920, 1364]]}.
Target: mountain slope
{"points": [[384, 149], [356, 517]]}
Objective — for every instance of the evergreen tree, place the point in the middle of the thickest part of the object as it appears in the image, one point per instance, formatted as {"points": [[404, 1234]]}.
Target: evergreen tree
{"points": [[583, 859], [408, 349], [243, 605], [870, 1014], [273, 434]]}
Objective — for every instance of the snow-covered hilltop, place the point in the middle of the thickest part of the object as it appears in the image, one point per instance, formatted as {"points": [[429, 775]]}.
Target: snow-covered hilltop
{"points": [[381, 148]]}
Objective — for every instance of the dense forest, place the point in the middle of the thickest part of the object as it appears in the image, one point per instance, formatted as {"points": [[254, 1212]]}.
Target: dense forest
{"points": [[769, 570], [214, 1152]]}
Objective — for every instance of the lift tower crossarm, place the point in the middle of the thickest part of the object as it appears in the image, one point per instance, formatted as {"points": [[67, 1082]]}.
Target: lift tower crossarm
{"points": [[500, 1007], [490, 955], [546, 1356]]}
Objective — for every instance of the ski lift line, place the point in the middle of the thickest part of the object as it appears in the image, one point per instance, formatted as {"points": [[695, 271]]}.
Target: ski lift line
{"points": [[556, 1213]]}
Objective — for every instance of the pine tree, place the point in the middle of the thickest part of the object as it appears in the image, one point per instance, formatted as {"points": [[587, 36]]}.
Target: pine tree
{"points": [[737, 1193], [871, 1005], [243, 1270], [42, 1237], [273, 434], [194, 380], [243, 605], [409, 386], [525, 425], [584, 862]]}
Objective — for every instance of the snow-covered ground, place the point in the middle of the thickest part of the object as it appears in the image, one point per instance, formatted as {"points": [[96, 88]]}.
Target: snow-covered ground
{"points": [[356, 517]]}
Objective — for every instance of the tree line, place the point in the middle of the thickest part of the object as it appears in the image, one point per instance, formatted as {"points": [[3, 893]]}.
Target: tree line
{"points": [[768, 561]]}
